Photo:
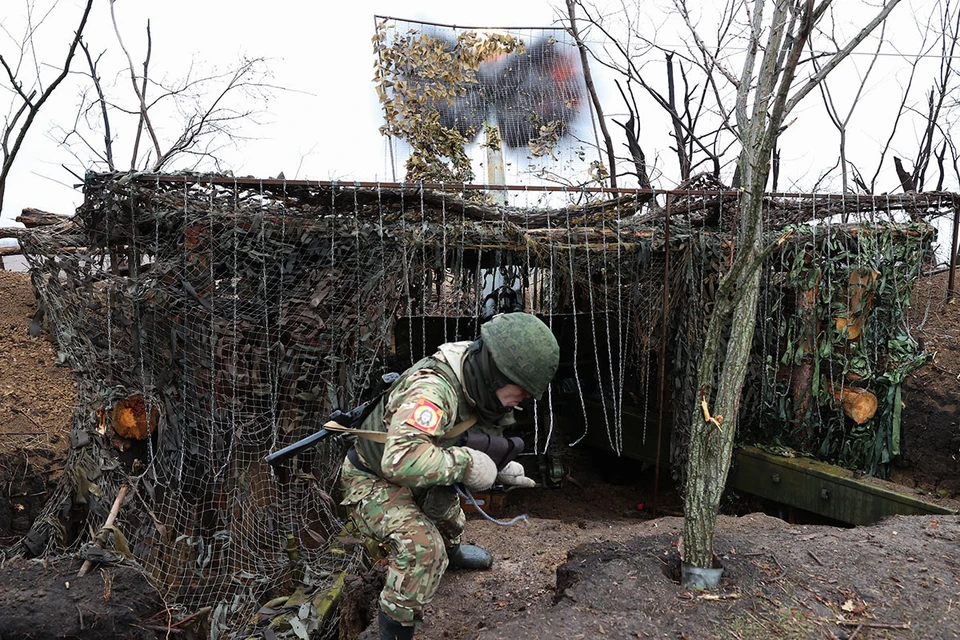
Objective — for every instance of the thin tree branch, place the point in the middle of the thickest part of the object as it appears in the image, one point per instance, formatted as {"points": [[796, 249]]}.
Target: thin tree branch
{"points": [[140, 93], [107, 138], [839, 56], [588, 79], [33, 108]]}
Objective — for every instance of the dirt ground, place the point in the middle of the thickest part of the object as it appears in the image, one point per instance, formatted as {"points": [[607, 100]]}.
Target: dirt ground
{"points": [[591, 560], [36, 404], [931, 432]]}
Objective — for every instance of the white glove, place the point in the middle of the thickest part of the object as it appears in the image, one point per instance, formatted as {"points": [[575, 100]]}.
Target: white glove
{"points": [[513, 475], [481, 472]]}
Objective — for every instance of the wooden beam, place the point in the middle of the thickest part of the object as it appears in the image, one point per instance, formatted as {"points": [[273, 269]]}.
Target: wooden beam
{"points": [[17, 250], [823, 488], [31, 218]]}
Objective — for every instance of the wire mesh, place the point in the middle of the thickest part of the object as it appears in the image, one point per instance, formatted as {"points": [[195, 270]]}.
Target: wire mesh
{"points": [[211, 320]]}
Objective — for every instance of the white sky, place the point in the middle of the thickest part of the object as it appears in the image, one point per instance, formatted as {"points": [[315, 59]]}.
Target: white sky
{"points": [[320, 50], [325, 127]]}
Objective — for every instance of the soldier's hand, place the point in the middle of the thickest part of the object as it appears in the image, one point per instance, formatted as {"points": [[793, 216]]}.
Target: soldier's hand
{"points": [[481, 472], [513, 475]]}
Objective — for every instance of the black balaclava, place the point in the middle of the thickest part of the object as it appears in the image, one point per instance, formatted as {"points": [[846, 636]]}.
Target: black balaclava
{"points": [[482, 378]]}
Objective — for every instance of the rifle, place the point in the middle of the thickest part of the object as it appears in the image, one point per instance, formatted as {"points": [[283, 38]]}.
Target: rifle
{"points": [[350, 419], [501, 449]]}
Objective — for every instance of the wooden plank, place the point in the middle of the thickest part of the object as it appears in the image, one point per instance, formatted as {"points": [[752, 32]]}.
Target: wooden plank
{"points": [[823, 488]]}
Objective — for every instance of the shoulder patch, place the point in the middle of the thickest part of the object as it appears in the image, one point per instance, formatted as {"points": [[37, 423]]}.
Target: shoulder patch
{"points": [[425, 416]]}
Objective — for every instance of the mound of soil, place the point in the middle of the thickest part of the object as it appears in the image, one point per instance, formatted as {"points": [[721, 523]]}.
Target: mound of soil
{"points": [[47, 600], [587, 563], [897, 579]]}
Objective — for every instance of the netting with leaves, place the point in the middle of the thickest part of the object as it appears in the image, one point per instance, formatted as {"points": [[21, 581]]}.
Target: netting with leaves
{"points": [[211, 320], [443, 88]]}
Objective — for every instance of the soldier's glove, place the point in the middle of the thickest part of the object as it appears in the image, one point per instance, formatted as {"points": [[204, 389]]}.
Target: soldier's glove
{"points": [[481, 472], [513, 475]]}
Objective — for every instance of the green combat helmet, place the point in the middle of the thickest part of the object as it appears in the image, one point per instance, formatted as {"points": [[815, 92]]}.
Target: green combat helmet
{"points": [[524, 349]]}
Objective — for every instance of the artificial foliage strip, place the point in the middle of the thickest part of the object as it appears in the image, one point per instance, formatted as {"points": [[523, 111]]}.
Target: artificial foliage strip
{"points": [[853, 334]]}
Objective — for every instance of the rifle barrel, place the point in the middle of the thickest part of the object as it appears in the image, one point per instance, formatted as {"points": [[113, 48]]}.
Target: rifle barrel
{"points": [[278, 457]]}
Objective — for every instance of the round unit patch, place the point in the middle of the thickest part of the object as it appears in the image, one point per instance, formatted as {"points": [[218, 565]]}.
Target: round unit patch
{"points": [[426, 416]]}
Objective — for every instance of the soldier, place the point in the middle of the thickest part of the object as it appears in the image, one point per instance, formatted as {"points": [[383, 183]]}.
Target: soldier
{"points": [[401, 492]]}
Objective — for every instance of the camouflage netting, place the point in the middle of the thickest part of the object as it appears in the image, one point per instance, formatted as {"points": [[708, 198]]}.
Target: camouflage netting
{"points": [[518, 90], [212, 320]]}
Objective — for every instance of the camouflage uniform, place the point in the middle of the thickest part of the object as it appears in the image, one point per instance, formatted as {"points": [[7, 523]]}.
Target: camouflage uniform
{"points": [[408, 501]]}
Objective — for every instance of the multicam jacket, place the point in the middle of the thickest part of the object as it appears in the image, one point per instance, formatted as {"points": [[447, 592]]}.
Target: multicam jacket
{"points": [[421, 407]]}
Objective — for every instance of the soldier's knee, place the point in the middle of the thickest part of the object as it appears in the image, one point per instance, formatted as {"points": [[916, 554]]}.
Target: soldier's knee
{"points": [[422, 552], [413, 576]]}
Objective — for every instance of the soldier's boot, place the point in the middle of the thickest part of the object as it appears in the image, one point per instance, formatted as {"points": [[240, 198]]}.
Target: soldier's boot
{"points": [[390, 629], [469, 556]]}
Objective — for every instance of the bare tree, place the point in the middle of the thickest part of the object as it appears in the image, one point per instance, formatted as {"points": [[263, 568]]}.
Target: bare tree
{"points": [[187, 121], [941, 29], [574, 31], [29, 96], [764, 97], [699, 126], [937, 97], [842, 121], [712, 109]]}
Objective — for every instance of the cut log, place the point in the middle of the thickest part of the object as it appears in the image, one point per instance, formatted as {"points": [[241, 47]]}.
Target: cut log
{"points": [[129, 418], [861, 299], [858, 404], [16, 250], [31, 218]]}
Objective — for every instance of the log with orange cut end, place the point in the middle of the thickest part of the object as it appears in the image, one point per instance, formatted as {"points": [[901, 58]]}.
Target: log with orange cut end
{"points": [[129, 418], [858, 404]]}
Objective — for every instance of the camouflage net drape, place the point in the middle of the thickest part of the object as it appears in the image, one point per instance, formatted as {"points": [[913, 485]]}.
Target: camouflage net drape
{"points": [[212, 320]]}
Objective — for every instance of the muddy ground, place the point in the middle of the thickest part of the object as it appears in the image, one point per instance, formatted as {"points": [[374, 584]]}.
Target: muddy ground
{"points": [[591, 561]]}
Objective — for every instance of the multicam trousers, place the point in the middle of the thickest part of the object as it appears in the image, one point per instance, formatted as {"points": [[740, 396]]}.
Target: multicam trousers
{"points": [[415, 525]]}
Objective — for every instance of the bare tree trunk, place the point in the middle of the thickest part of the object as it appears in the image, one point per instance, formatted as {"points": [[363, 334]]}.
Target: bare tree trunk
{"points": [[712, 436], [678, 134]]}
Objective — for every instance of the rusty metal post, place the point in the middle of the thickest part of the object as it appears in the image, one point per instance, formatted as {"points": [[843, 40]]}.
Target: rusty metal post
{"points": [[952, 280], [661, 391]]}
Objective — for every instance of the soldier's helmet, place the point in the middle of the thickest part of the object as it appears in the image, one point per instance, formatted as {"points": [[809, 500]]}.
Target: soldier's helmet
{"points": [[524, 350]]}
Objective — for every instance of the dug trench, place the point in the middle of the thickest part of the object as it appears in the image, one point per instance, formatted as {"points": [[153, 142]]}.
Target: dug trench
{"points": [[28, 476]]}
